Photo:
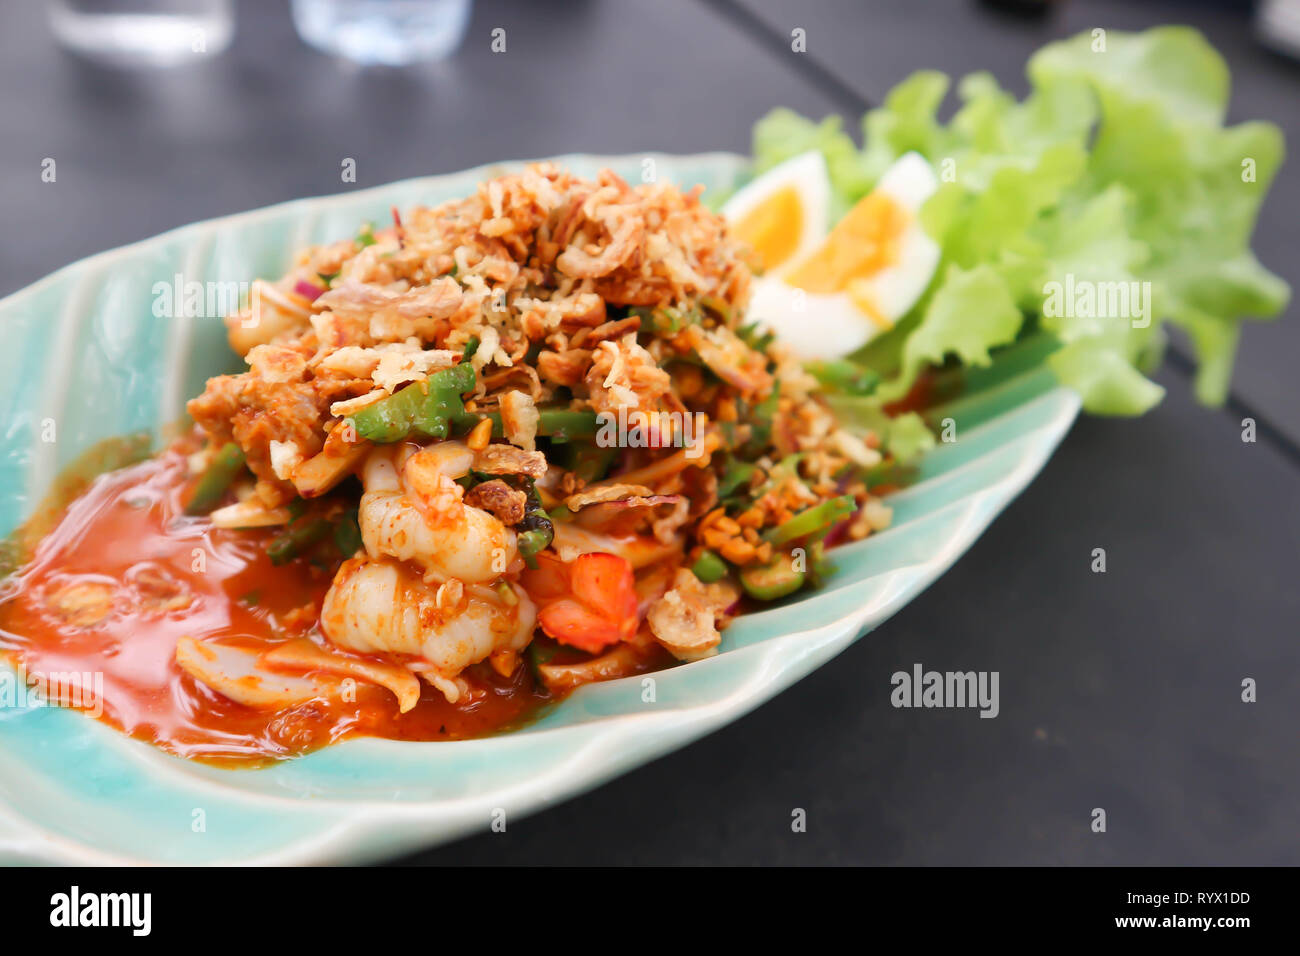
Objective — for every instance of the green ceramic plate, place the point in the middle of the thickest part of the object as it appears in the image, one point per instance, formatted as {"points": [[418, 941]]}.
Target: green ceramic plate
{"points": [[83, 350]]}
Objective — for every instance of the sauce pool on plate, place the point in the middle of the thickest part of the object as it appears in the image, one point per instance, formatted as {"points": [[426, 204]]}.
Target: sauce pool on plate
{"points": [[94, 617]]}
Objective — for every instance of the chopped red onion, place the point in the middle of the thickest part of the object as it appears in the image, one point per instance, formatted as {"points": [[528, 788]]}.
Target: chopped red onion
{"points": [[308, 290]]}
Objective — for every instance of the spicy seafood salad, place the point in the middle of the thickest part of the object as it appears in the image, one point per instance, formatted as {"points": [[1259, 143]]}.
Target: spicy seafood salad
{"points": [[564, 431], [480, 456]]}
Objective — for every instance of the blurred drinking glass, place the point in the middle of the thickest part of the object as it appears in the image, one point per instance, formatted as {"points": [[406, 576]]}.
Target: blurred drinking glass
{"points": [[143, 32], [383, 32], [1278, 24]]}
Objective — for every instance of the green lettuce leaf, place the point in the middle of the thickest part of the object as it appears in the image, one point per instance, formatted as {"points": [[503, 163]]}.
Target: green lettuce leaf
{"points": [[971, 313], [907, 437], [1109, 201]]}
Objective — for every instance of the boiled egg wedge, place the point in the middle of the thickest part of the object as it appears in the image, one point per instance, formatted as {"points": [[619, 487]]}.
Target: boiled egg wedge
{"points": [[826, 292], [784, 214]]}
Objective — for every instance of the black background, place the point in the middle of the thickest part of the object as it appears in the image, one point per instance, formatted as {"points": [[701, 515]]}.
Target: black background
{"points": [[1009, 904], [1119, 690]]}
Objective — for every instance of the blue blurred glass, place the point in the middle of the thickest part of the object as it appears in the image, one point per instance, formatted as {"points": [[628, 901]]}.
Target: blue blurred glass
{"points": [[383, 32]]}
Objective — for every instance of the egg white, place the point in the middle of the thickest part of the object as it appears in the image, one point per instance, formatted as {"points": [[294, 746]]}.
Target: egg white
{"points": [[807, 175], [813, 325]]}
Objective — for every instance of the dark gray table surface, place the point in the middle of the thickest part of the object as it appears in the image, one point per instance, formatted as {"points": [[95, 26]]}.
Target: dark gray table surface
{"points": [[1118, 690]]}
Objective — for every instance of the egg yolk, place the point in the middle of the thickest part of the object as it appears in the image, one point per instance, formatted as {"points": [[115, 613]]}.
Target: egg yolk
{"points": [[861, 244], [862, 295], [773, 227]]}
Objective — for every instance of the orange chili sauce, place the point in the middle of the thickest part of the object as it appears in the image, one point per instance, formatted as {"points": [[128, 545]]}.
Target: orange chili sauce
{"points": [[129, 530]]}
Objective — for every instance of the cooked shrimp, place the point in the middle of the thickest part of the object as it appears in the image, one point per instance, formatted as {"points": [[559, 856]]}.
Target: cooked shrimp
{"points": [[380, 606], [413, 510]]}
